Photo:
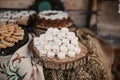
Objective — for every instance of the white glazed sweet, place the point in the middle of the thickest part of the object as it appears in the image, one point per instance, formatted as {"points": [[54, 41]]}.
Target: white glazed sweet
{"points": [[65, 41], [77, 50], [42, 36], [48, 37], [61, 35], [49, 31], [60, 43], [55, 31], [47, 47], [50, 54], [71, 47], [55, 48], [65, 30], [63, 48], [74, 42], [71, 53], [61, 55], [43, 52], [57, 41]]}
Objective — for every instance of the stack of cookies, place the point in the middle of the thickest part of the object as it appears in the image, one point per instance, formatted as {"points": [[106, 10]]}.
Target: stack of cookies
{"points": [[12, 37]]}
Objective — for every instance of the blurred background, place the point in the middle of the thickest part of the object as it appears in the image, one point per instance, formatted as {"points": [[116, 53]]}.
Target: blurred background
{"points": [[102, 17]]}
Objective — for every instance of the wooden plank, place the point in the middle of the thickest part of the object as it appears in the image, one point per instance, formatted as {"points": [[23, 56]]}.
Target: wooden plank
{"points": [[78, 17], [107, 33], [108, 19], [76, 4], [93, 20], [108, 8], [16, 3], [95, 6]]}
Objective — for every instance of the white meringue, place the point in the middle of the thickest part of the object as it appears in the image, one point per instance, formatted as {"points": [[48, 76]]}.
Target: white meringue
{"points": [[65, 41], [61, 55], [39, 48], [63, 49], [71, 53], [61, 35], [48, 37], [55, 31], [71, 47], [44, 42], [49, 31], [50, 54], [70, 37], [43, 52], [42, 36], [55, 48], [57, 41], [47, 47], [74, 42], [76, 38], [77, 50], [65, 30], [72, 34]]}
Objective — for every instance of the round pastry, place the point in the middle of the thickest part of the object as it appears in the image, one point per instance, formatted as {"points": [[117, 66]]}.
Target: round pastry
{"points": [[12, 37], [57, 48], [50, 18]]}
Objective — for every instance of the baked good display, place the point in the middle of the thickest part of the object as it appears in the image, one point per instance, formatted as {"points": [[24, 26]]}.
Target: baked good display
{"points": [[66, 52], [12, 37], [63, 51], [55, 19], [19, 17], [87, 60], [58, 47]]}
